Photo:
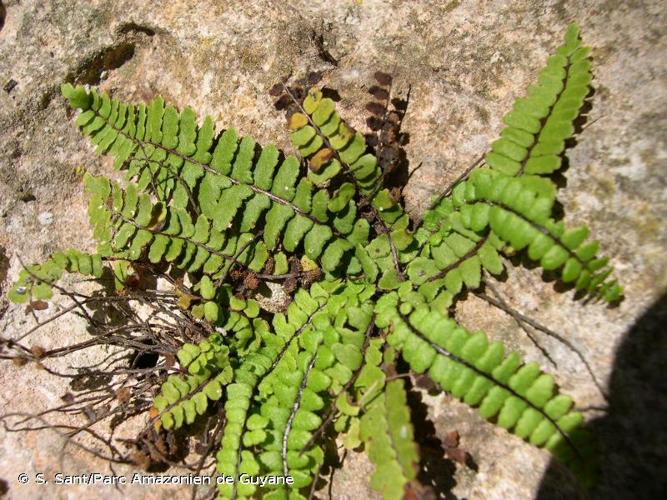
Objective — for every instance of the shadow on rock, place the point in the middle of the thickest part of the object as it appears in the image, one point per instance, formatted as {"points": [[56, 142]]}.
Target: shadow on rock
{"points": [[632, 435]]}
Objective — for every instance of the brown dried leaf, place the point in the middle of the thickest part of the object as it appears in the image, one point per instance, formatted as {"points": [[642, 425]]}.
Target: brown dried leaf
{"points": [[133, 281], [141, 459], [379, 93], [123, 394], [310, 277], [319, 159], [371, 140], [389, 135], [297, 120], [160, 450], [390, 370], [415, 490], [383, 78], [269, 265], [251, 281], [19, 361], [376, 108], [37, 351], [388, 156], [458, 455], [394, 118], [155, 413], [169, 360], [400, 104], [283, 102], [276, 90], [201, 448], [425, 382], [39, 305], [374, 123], [313, 78], [290, 285], [451, 439]]}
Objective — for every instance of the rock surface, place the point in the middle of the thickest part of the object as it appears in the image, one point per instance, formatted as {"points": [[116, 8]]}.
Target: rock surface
{"points": [[465, 62]]}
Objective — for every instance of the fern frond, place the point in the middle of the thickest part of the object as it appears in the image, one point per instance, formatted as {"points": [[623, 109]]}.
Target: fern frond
{"points": [[235, 185], [489, 209], [310, 351], [539, 124], [518, 212], [338, 152], [319, 133], [521, 217], [519, 396], [35, 281], [388, 433], [183, 397]]}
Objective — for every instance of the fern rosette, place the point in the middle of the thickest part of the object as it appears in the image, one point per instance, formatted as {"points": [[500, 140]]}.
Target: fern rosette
{"points": [[228, 216]]}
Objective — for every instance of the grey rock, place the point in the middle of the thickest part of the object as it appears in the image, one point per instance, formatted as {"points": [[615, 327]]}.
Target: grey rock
{"points": [[45, 218]]}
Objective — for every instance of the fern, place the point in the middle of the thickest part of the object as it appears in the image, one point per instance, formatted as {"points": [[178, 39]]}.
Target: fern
{"points": [[518, 395], [182, 398], [36, 280], [387, 430], [216, 206], [227, 179], [539, 124], [332, 145]]}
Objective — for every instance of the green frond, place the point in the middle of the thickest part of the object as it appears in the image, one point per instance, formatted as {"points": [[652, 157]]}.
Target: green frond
{"points": [[518, 396], [509, 203], [226, 215], [533, 141], [336, 151], [234, 184], [387, 431], [35, 281], [128, 225], [308, 355], [521, 217], [489, 211], [183, 397]]}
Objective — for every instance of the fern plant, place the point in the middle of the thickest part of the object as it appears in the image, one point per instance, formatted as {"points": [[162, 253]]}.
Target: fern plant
{"points": [[374, 285]]}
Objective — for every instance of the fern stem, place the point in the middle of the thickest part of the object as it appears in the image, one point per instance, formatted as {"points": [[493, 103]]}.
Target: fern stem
{"points": [[471, 253], [295, 408]]}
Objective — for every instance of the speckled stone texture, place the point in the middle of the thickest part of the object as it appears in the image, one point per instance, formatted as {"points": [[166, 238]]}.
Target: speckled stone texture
{"points": [[465, 62]]}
